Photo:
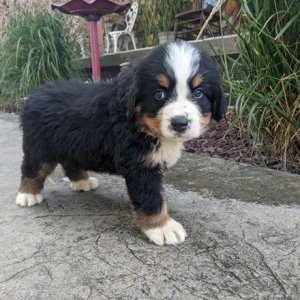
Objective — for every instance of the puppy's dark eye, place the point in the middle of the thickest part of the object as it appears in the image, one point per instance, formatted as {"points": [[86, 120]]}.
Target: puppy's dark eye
{"points": [[160, 95], [198, 93]]}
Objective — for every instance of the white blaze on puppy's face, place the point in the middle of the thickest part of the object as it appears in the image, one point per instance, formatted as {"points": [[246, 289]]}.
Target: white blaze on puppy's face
{"points": [[181, 108], [182, 62]]}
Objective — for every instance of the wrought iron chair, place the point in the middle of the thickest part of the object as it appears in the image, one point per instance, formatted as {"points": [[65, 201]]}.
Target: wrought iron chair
{"points": [[115, 35], [188, 24]]}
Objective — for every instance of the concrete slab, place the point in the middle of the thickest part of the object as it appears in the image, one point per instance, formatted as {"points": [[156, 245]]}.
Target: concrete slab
{"points": [[243, 225]]}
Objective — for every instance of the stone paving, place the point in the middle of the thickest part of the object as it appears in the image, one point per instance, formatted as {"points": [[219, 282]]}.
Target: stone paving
{"points": [[243, 226]]}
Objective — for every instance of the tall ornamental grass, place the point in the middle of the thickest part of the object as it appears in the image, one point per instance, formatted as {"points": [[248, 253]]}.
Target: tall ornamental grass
{"points": [[157, 16], [267, 92], [8, 7], [35, 49]]}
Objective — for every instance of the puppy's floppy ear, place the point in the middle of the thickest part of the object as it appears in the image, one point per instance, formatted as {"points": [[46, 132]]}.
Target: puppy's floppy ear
{"points": [[127, 89], [219, 104]]}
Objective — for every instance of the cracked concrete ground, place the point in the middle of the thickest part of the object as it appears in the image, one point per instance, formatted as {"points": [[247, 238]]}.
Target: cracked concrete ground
{"points": [[243, 225]]}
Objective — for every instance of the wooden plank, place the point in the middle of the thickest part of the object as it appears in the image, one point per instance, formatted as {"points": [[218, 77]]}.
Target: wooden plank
{"points": [[215, 45], [209, 44]]}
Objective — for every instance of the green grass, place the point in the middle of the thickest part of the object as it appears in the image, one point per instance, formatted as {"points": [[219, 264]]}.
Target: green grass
{"points": [[267, 93], [34, 50]]}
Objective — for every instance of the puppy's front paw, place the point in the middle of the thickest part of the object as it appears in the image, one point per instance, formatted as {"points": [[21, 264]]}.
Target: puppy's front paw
{"points": [[171, 233], [85, 184], [24, 199]]}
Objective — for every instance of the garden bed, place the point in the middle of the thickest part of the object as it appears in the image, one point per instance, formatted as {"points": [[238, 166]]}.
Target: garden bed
{"points": [[225, 141]]}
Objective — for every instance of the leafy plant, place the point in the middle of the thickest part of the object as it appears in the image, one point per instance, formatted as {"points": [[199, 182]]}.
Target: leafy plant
{"points": [[35, 49], [267, 92]]}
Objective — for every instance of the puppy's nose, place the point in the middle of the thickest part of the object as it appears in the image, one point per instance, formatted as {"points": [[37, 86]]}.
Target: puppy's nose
{"points": [[179, 123]]}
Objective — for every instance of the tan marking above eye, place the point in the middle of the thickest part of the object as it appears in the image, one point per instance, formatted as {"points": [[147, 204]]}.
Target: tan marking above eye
{"points": [[197, 80], [163, 81]]}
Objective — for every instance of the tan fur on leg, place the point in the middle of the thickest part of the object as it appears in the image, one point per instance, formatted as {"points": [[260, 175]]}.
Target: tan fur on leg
{"points": [[30, 188], [160, 228], [80, 180], [151, 221]]}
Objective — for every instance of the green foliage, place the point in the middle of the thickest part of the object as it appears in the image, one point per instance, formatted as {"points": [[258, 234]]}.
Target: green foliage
{"points": [[158, 16], [267, 94], [35, 49]]}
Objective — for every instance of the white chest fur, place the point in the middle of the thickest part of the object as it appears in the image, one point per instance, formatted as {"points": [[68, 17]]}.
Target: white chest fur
{"points": [[166, 154]]}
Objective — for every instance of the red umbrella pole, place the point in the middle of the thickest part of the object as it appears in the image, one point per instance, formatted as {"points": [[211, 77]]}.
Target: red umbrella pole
{"points": [[95, 52]]}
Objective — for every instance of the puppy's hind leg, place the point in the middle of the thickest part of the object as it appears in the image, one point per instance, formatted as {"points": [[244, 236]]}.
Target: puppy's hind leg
{"points": [[80, 180], [32, 182]]}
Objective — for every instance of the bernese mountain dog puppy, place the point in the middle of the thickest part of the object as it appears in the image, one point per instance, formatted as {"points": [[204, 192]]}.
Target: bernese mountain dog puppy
{"points": [[134, 125]]}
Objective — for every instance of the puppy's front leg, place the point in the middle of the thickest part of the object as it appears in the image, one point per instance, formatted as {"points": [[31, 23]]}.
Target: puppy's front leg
{"points": [[144, 188]]}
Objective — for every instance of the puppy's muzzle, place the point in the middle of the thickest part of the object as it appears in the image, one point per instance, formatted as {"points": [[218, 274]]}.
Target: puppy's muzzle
{"points": [[179, 123]]}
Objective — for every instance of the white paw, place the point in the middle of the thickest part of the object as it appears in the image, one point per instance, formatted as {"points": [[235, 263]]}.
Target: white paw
{"points": [[85, 184], [172, 233], [28, 199]]}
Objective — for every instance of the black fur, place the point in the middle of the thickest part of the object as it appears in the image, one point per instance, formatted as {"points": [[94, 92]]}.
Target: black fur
{"points": [[93, 126]]}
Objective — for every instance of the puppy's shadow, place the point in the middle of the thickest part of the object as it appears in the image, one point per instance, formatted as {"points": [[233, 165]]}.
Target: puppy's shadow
{"points": [[92, 202], [93, 212]]}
